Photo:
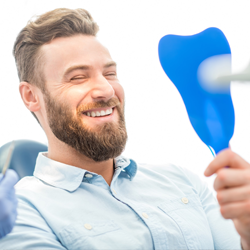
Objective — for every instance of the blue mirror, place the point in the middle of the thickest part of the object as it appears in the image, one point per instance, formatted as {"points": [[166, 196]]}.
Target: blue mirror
{"points": [[210, 111]]}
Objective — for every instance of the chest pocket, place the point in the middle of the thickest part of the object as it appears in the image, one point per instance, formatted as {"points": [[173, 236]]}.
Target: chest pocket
{"points": [[188, 214], [93, 235]]}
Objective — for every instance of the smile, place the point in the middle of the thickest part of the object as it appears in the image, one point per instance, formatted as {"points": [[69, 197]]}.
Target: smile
{"points": [[99, 112]]}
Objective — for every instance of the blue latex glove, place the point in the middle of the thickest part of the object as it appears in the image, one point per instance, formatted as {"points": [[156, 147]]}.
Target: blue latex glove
{"points": [[8, 202]]}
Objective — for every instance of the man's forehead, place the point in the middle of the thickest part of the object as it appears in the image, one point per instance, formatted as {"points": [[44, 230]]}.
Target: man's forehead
{"points": [[64, 53], [63, 46]]}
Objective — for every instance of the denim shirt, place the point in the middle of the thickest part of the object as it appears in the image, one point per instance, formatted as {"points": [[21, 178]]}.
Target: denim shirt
{"points": [[145, 207]]}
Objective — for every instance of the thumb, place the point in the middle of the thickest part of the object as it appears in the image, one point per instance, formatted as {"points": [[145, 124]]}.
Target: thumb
{"points": [[10, 179]]}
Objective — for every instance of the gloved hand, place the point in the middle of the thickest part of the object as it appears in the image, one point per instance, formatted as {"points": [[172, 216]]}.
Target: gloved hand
{"points": [[8, 202]]}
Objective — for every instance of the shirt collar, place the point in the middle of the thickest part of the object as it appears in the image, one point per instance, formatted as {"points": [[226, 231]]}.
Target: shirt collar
{"points": [[127, 165], [68, 177]]}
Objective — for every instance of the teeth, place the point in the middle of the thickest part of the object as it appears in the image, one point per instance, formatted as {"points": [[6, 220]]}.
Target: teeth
{"points": [[109, 111], [101, 113]]}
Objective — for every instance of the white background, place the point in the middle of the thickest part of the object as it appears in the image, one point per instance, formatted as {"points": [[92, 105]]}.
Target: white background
{"points": [[158, 126]]}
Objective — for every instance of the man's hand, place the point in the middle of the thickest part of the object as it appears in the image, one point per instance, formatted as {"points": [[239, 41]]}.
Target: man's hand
{"points": [[8, 202], [233, 190]]}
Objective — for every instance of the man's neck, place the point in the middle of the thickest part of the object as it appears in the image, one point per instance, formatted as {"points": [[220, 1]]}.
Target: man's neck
{"points": [[63, 153]]}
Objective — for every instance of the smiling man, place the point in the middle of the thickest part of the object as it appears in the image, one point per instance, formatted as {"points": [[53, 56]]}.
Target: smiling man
{"points": [[84, 194], [83, 103]]}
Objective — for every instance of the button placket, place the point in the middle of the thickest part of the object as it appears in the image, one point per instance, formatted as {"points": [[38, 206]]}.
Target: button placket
{"points": [[88, 175], [184, 200], [88, 226]]}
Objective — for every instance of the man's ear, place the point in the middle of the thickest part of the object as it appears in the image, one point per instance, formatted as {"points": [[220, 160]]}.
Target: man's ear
{"points": [[30, 96]]}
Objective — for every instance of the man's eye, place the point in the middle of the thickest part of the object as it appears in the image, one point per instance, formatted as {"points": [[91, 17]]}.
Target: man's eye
{"points": [[78, 78], [111, 74]]}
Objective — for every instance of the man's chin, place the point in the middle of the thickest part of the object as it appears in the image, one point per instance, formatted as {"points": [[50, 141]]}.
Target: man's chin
{"points": [[98, 125], [101, 129], [99, 138]]}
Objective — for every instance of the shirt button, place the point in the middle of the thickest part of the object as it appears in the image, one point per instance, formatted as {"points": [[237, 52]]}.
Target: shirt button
{"points": [[145, 215], [87, 226], [184, 200], [88, 175]]}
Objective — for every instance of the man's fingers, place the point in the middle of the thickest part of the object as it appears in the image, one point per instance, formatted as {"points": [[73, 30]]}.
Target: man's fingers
{"points": [[228, 177], [229, 195], [235, 210], [9, 180], [242, 225], [226, 158]]}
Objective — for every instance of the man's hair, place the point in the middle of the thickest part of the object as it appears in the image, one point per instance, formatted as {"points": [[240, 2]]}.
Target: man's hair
{"points": [[60, 22]]}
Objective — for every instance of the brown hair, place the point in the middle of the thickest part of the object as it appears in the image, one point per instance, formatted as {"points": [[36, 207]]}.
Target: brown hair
{"points": [[60, 22]]}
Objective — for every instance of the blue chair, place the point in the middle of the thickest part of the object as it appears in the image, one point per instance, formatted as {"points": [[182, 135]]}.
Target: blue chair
{"points": [[24, 156]]}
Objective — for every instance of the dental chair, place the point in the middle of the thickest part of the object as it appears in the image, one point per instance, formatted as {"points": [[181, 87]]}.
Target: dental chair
{"points": [[24, 156]]}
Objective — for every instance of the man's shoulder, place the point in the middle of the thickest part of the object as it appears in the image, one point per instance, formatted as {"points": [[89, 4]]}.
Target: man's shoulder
{"points": [[164, 169], [170, 171], [28, 183]]}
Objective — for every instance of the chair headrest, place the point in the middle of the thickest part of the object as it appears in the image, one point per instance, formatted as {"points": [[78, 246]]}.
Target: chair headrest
{"points": [[23, 157]]}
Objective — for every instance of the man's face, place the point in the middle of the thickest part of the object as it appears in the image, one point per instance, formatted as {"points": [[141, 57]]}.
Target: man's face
{"points": [[84, 100]]}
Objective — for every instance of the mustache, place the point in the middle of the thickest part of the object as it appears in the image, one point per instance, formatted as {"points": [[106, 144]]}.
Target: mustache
{"points": [[100, 104]]}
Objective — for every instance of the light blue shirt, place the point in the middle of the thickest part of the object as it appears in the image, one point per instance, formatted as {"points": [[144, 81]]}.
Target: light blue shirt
{"points": [[145, 207]]}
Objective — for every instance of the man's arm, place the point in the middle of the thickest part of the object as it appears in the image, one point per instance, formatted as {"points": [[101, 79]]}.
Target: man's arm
{"points": [[233, 191], [223, 231], [30, 231]]}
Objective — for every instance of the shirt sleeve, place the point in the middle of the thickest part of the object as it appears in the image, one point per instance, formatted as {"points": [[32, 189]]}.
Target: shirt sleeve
{"points": [[223, 231], [30, 231]]}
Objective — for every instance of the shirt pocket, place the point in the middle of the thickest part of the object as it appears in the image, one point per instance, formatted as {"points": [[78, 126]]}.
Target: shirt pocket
{"points": [[93, 235], [188, 214]]}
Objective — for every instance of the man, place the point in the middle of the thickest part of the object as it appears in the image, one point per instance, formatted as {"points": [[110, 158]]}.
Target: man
{"points": [[84, 194]]}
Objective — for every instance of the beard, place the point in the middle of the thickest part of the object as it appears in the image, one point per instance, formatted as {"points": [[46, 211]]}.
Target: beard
{"points": [[105, 141]]}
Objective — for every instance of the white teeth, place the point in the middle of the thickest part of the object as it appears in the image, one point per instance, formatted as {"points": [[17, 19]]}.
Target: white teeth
{"points": [[100, 113], [109, 111]]}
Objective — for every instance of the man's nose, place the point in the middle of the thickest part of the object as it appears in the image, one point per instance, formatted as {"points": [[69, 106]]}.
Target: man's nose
{"points": [[102, 89]]}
